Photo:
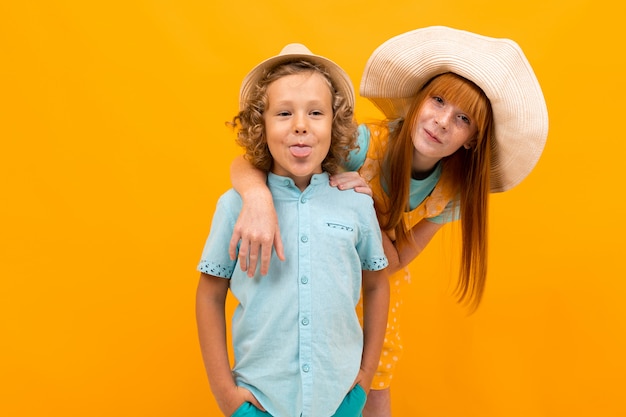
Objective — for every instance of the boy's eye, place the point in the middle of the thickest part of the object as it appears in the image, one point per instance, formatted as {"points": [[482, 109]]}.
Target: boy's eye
{"points": [[283, 113], [317, 113]]}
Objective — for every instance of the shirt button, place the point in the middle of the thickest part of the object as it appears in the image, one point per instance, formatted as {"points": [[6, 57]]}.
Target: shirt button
{"points": [[306, 368], [303, 200], [305, 321], [304, 280], [286, 182], [304, 239]]}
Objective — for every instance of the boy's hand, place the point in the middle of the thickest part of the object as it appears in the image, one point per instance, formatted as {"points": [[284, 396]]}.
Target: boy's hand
{"points": [[235, 398], [364, 379]]}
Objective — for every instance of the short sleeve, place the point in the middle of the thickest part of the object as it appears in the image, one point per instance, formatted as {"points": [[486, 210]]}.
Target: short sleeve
{"points": [[370, 247], [357, 156], [215, 259]]}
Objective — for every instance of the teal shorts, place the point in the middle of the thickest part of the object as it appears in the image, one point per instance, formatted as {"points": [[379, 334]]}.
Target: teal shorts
{"points": [[351, 406]]}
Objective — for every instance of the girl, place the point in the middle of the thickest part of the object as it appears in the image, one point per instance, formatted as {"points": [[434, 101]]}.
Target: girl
{"points": [[465, 116]]}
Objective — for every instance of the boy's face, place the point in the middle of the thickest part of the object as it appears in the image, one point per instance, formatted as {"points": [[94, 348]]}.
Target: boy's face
{"points": [[298, 125]]}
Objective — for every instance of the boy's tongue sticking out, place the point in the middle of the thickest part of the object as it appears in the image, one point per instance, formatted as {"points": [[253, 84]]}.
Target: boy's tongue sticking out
{"points": [[300, 151]]}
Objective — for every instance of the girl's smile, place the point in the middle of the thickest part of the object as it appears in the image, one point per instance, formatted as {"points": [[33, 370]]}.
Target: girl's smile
{"points": [[431, 136]]}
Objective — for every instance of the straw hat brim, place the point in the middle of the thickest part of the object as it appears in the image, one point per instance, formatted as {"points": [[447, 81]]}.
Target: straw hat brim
{"points": [[400, 67], [294, 51]]}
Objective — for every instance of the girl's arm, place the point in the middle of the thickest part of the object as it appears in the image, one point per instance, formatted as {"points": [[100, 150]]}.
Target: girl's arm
{"points": [[210, 318], [257, 224], [422, 234], [375, 308]]}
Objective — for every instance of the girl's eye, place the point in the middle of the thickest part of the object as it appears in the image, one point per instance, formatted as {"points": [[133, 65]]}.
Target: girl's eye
{"points": [[465, 119], [438, 99]]}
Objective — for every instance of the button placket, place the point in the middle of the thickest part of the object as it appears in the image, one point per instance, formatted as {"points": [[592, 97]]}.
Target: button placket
{"points": [[305, 296]]}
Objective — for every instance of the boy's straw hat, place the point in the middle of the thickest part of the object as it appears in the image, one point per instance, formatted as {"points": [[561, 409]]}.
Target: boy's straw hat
{"points": [[291, 52], [400, 67]]}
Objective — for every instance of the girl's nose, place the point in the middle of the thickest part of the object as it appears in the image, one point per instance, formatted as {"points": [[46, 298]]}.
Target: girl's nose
{"points": [[443, 118]]}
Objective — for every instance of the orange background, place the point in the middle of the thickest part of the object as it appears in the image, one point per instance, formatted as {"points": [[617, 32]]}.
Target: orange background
{"points": [[114, 152]]}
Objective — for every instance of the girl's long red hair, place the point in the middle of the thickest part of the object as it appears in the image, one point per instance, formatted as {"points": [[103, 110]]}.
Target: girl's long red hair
{"points": [[469, 169]]}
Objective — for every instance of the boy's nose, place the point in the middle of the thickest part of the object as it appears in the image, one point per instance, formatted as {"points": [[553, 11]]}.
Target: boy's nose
{"points": [[300, 125]]}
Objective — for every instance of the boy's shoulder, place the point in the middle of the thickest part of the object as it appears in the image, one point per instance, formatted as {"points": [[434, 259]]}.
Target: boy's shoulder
{"points": [[350, 194], [337, 198], [231, 199]]}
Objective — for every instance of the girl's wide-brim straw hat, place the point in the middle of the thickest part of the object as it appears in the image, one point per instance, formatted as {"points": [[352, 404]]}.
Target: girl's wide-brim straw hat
{"points": [[400, 67], [292, 52]]}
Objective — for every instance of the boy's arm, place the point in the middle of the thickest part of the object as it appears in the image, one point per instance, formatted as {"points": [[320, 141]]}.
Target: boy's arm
{"points": [[375, 308], [257, 224], [210, 318]]}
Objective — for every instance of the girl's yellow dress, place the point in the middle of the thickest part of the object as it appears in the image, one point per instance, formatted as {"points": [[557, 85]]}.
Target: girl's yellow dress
{"points": [[431, 206]]}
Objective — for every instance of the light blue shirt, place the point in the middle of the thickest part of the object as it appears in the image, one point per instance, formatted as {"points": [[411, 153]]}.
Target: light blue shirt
{"points": [[420, 189], [296, 336]]}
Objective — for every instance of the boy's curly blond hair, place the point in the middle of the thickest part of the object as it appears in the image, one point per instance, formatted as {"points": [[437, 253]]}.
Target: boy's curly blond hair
{"points": [[250, 123]]}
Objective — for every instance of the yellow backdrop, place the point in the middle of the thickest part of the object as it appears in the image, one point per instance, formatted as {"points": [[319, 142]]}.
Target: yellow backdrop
{"points": [[114, 151]]}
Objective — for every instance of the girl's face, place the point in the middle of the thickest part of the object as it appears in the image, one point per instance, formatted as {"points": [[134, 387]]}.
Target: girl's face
{"points": [[440, 129], [298, 125]]}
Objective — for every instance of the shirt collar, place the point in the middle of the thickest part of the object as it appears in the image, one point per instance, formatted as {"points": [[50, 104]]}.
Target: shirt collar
{"points": [[280, 181]]}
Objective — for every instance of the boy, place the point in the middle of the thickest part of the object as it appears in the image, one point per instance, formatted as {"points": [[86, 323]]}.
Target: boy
{"points": [[299, 347]]}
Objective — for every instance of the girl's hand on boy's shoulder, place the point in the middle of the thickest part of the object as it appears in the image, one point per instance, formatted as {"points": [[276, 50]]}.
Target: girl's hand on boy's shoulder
{"points": [[350, 180]]}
